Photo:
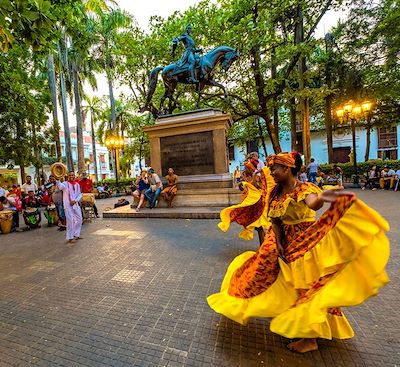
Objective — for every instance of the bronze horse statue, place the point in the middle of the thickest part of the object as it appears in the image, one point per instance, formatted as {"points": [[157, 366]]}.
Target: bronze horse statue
{"points": [[205, 65]]}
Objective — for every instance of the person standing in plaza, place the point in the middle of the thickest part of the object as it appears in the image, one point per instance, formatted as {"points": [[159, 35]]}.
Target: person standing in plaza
{"points": [[237, 174], [313, 171], [155, 189], [306, 269], [71, 197], [57, 199], [28, 186], [169, 193]]}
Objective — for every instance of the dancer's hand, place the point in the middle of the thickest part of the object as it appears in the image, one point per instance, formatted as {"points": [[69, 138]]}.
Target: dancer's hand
{"points": [[329, 196]]}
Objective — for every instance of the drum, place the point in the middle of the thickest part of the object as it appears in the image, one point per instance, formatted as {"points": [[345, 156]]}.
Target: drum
{"points": [[87, 199], [52, 217], [31, 216], [6, 217], [95, 192]]}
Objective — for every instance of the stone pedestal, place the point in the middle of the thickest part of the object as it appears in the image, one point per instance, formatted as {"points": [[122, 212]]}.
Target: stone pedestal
{"points": [[194, 144]]}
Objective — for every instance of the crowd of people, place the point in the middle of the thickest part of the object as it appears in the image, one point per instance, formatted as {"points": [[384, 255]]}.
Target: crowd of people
{"points": [[310, 173], [59, 201], [385, 179]]}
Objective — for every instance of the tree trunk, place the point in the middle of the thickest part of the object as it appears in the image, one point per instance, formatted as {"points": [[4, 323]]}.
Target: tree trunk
{"points": [[53, 92], [140, 153], [22, 170], [260, 131], [368, 143], [96, 173], [20, 155], [329, 98], [113, 114], [299, 38], [293, 125], [260, 89], [79, 120], [275, 99], [112, 101], [67, 135], [328, 126], [36, 154]]}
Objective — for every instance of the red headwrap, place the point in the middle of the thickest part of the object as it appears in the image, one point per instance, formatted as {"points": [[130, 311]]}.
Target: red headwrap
{"points": [[250, 165], [284, 159]]}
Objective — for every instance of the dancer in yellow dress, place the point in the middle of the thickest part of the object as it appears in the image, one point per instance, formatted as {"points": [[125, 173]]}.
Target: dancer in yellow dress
{"points": [[306, 269]]}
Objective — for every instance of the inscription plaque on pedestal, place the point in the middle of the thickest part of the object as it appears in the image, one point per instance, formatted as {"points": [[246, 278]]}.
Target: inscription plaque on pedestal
{"points": [[189, 154]]}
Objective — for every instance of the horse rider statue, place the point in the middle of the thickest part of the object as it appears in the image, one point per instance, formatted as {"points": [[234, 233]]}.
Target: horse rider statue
{"points": [[188, 60]]}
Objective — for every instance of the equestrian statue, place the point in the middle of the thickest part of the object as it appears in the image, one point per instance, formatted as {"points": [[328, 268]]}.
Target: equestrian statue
{"points": [[191, 68]]}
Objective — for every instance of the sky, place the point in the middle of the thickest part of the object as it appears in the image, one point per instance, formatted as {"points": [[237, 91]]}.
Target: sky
{"points": [[165, 8]]}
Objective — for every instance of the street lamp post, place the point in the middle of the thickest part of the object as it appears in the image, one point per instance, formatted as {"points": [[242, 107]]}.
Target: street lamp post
{"points": [[115, 142], [353, 113]]}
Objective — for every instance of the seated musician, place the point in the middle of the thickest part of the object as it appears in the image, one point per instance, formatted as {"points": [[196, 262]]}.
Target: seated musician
{"points": [[28, 204], [86, 185], [8, 203]]}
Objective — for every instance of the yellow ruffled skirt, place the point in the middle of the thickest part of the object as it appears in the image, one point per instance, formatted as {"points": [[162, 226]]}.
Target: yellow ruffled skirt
{"points": [[334, 262]]}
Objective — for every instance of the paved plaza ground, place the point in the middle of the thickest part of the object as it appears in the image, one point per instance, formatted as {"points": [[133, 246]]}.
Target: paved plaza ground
{"points": [[133, 293]]}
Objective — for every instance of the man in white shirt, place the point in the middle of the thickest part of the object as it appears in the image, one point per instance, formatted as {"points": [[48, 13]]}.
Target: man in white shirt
{"points": [[3, 192], [71, 198], [155, 187], [260, 164], [28, 186]]}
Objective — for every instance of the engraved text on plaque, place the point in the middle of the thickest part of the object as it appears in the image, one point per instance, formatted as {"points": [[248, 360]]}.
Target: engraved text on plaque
{"points": [[189, 154]]}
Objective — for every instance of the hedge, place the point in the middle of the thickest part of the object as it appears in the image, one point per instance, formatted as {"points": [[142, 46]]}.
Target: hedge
{"points": [[362, 167], [111, 182]]}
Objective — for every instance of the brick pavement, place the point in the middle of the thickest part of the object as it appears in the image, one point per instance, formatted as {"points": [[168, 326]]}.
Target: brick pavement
{"points": [[133, 293]]}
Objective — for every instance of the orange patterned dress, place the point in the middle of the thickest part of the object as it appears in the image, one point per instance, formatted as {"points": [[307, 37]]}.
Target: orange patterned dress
{"points": [[338, 260]]}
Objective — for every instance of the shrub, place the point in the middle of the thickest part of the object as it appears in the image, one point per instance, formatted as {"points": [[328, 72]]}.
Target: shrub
{"points": [[111, 182]]}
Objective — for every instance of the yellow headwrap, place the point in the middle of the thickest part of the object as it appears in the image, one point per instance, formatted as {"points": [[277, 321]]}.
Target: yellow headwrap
{"points": [[285, 159]]}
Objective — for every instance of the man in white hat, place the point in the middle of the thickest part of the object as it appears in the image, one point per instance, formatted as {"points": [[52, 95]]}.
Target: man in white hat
{"points": [[71, 197]]}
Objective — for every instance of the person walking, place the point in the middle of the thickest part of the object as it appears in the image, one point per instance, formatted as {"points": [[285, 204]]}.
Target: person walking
{"points": [[71, 197], [313, 171]]}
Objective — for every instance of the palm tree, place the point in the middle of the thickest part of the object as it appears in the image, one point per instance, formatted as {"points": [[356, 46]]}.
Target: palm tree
{"points": [[53, 93], [108, 26], [94, 107], [63, 65]]}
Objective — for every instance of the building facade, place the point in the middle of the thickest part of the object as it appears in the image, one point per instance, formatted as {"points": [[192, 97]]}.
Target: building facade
{"points": [[383, 145], [102, 155]]}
